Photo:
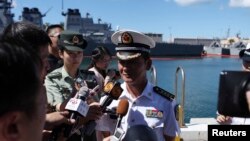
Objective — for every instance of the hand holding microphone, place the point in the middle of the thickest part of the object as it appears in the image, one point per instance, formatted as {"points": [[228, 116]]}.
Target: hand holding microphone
{"points": [[113, 91], [121, 111]]}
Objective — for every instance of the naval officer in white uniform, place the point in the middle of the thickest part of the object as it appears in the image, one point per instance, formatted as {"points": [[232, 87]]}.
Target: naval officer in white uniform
{"points": [[148, 104]]}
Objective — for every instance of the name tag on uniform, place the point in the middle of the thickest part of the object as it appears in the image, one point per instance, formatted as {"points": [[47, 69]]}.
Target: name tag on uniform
{"points": [[154, 113]]}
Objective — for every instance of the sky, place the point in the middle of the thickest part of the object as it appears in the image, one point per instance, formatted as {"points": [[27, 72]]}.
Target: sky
{"points": [[172, 18]]}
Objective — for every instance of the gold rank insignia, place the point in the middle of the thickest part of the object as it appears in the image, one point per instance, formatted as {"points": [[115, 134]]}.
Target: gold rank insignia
{"points": [[154, 113], [126, 38]]}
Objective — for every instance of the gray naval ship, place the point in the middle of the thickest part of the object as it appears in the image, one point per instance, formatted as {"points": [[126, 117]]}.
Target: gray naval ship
{"points": [[99, 34], [6, 17], [96, 33]]}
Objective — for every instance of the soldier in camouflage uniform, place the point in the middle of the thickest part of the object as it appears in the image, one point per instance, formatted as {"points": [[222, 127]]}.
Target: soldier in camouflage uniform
{"points": [[60, 83]]}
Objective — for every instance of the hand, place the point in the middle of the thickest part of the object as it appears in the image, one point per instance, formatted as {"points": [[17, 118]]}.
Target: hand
{"points": [[57, 118], [95, 111], [107, 139], [221, 119]]}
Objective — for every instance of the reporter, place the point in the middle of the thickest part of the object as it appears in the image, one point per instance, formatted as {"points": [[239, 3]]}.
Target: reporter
{"points": [[224, 119], [22, 103], [35, 41], [100, 61]]}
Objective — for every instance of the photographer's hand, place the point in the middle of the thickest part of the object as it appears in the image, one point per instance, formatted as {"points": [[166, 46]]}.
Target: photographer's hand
{"points": [[221, 119], [57, 118]]}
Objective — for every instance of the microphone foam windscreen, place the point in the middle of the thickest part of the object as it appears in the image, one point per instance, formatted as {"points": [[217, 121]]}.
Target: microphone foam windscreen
{"points": [[122, 108], [84, 91]]}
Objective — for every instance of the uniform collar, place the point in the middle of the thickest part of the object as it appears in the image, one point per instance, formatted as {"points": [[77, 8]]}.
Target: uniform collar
{"points": [[147, 92], [66, 77]]}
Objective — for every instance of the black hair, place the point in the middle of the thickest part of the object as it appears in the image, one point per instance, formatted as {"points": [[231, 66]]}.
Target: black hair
{"points": [[50, 27], [19, 80], [26, 35], [97, 54]]}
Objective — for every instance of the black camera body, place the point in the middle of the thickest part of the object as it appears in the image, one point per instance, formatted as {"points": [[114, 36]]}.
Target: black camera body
{"points": [[88, 77], [233, 86]]}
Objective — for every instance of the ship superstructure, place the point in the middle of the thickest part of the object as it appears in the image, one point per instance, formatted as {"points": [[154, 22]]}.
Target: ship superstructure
{"points": [[6, 17], [98, 32], [32, 15]]}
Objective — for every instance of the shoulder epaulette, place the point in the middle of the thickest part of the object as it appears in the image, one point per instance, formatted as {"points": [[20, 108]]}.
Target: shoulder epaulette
{"points": [[54, 74], [163, 93]]}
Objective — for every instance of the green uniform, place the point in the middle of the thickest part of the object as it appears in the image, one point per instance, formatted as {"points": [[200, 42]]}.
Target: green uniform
{"points": [[59, 86]]}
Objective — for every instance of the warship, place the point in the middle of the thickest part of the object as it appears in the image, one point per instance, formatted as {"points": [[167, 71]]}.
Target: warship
{"points": [[96, 33], [99, 34], [6, 17]]}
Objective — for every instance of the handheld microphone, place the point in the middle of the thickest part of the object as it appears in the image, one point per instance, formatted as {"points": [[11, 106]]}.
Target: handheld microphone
{"points": [[77, 106], [113, 90], [121, 111]]}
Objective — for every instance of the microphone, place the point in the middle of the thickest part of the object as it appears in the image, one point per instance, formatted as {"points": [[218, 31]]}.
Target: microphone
{"points": [[77, 106], [121, 111], [113, 91]]}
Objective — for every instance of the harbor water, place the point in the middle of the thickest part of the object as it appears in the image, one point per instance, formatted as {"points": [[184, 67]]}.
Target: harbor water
{"points": [[201, 84]]}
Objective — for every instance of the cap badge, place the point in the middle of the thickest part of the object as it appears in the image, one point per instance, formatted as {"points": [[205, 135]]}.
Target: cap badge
{"points": [[126, 38], [75, 40]]}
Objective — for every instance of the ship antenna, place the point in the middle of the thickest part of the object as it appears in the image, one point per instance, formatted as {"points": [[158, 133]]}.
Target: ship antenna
{"points": [[64, 14], [47, 11]]}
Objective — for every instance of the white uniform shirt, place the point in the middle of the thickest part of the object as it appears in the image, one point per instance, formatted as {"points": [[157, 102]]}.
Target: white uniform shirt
{"points": [[152, 110]]}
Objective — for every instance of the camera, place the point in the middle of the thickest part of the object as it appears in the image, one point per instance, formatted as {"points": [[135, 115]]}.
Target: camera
{"points": [[232, 100], [88, 78]]}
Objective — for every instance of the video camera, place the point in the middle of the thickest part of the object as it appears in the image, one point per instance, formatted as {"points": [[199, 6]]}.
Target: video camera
{"points": [[232, 100]]}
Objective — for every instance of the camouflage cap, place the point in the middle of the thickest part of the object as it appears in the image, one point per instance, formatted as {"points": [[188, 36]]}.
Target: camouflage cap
{"points": [[72, 41]]}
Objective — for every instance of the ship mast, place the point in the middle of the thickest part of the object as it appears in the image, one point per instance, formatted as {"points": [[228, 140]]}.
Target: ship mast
{"points": [[6, 17]]}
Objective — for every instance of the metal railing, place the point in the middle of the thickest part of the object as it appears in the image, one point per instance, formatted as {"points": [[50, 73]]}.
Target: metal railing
{"points": [[153, 75], [180, 112]]}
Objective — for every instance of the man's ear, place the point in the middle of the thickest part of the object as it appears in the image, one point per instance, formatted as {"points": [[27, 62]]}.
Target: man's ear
{"points": [[10, 126], [149, 63]]}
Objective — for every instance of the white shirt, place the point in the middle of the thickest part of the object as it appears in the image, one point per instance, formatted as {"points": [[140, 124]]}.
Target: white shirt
{"points": [[152, 110]]}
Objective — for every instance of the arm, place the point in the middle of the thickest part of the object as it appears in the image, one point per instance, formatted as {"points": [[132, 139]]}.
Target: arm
{"points": [[53, 92], [57, 118]]}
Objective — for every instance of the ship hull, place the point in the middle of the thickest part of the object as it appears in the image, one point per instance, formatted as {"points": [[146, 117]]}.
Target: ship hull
{"points": [[219, 51], [161, 49]]}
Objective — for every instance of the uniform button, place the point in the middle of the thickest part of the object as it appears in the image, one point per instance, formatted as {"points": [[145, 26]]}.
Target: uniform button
{"points": [[133, 120], [134, 103]]}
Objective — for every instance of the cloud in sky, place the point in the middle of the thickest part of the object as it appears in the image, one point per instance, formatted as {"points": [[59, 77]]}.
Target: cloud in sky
{"points": [[190, 2], [239, 3]]}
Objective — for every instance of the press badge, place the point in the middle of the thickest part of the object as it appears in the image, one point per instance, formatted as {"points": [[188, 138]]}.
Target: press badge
{"points": [[154, 113]]}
